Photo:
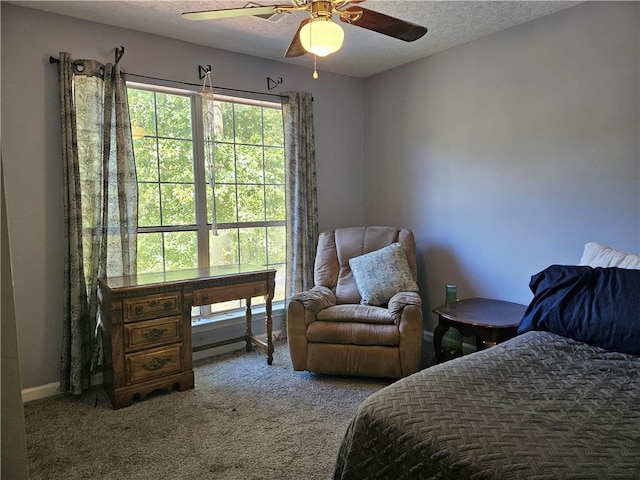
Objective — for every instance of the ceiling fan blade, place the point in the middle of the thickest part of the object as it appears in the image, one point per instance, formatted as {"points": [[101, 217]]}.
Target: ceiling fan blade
{"points": [[295, 47], [230, 13], [381, 23]]}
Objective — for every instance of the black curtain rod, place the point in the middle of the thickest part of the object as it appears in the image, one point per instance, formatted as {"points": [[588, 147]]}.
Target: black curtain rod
{"points": [[57, 60], [214, 86]]}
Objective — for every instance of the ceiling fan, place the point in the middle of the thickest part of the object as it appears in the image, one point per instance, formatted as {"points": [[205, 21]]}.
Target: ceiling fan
{"points": [[318, 34]]}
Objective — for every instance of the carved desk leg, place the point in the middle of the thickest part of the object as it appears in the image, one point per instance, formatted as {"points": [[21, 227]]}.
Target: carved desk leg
{"points": [[269, 328], [248, 334]]}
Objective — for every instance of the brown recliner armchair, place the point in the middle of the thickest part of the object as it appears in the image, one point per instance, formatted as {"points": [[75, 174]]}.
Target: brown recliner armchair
{"points": [[330, 331]]}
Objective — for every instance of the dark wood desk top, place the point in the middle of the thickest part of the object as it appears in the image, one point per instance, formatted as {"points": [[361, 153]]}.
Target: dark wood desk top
{"points": [[177, 277], [483, 312]]}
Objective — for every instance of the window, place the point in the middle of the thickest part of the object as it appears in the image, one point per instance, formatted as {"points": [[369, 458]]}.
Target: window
{"points": [[202, 162]]}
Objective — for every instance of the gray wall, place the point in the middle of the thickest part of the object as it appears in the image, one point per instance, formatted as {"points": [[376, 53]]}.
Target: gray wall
{"points": [[508, 154], [504, 155], [33, 164]]}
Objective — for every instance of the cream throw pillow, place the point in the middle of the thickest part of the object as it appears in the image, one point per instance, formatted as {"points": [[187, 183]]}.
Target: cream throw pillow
{"points": [[381, 274]]}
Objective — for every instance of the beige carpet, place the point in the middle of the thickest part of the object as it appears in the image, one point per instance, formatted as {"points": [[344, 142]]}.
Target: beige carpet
{"points": [[243, 420]]}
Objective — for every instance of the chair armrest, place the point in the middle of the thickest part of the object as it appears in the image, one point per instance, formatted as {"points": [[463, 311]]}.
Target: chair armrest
{"points": [[301, 312], [316, 299], [406, 309], [399, 301]]}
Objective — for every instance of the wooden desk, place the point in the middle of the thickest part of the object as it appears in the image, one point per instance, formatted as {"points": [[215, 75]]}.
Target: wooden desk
{"points": [[147, 324], [490, 321]]}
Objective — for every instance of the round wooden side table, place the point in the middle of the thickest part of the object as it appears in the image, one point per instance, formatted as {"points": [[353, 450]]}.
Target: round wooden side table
{"points": [[489, 321]]}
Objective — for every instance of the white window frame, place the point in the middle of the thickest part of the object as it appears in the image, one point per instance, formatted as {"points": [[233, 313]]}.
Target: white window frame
{"points": [[202, 228]]}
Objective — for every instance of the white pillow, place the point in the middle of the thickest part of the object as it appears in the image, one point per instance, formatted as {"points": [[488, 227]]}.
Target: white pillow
{"points": [[597, 255]]}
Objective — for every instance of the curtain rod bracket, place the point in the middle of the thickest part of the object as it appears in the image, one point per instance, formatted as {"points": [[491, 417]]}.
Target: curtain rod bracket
{"points": [[202, 71], [271, 83], [119, 53]]}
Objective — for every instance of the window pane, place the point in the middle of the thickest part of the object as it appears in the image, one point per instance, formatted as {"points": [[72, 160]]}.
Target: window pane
{"points": [[150, 254], [249, 164], [180, 250], [274, 165], [225, 166], [148, 204], [275, 202], [225, 203], [277, 245], [223, 248], [174, 115], [176, 164], [224, 122], [146, 159], [248, 123], [142, 111], [250, 203], [253, 246], [281, 274], [273, 126], [178, 204]]}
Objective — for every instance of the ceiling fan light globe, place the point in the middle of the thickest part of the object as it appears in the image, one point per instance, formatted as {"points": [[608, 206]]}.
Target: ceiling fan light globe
{"points": [[321, 37]]}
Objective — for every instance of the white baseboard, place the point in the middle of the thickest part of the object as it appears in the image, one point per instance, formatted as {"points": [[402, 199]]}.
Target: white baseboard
{"points": [[51, 389], [42, 391]]}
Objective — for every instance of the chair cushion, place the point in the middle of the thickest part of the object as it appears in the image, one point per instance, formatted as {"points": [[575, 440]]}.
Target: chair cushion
{"points": [[353, 333], [381, 274], [355, 313]]}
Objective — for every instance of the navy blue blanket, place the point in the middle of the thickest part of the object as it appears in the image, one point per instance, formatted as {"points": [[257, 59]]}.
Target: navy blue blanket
{"points": [[597, 306]]}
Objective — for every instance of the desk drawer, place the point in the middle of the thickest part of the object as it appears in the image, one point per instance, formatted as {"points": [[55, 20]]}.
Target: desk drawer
{"points": [[155, 363], [207, 296], [151, 333], [152, 306]]}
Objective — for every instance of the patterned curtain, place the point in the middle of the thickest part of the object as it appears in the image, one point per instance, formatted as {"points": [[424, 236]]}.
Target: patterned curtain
{"points": [[301, 192], [100, 205]]}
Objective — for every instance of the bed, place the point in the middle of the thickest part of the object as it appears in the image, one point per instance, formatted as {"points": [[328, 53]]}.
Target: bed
{"points": [[559, 401]]}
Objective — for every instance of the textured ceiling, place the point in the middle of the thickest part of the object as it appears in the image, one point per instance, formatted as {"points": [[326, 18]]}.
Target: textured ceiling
{"points": [[364, 52]]}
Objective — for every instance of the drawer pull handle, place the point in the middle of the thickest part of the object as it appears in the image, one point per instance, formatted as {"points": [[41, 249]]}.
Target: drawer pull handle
{"points": [[168, 305], [156, 364], [155, 333], [205, 297]]}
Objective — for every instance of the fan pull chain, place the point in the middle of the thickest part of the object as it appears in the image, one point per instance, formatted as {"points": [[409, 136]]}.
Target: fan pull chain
{"points": [[315, 67]]}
